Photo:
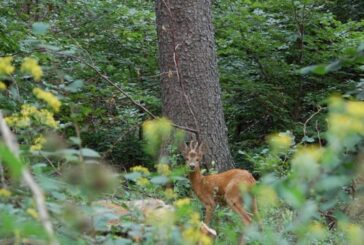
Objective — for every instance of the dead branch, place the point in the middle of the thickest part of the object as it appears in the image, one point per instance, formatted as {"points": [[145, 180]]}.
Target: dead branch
{"points": [[38, 195], [309, 119], [107, 79]]}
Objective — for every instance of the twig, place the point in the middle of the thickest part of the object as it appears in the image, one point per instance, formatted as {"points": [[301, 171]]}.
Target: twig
{"points": [[50, 163], [2, 176], [38, 195], [78, 133], [318, 132], [309, 119], [107, 79]]}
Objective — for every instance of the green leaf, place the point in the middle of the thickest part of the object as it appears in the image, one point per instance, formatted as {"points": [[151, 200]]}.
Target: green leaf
{"points": [[308, 139], [11, 161], [316, 69], [319, 69], [87, 152], [75, 140], [133, 176], [159, 180], [75, 86], [40, 28]]}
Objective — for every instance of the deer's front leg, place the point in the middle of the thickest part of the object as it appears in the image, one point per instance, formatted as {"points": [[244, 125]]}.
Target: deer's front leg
{"points": [[209, 212]]}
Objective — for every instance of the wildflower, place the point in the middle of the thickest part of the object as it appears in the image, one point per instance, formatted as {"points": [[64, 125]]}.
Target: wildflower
{"points": [[306, 161], [155, 132], [38, 143], [18, 121], [342, 124], [140, 169], [182, 202], [142, 181], [195, 218], [47, 118], [48, 97], [353, 232], [169, 193], [31, 66], [281, 141], [5, 193], [267, 196], [149, 127], [2, 86], [33, 213], [164, 126], [5, 65], [193, 235], [163, 169], [28, 110], [355, 108], [317, 230], [11, 120]]}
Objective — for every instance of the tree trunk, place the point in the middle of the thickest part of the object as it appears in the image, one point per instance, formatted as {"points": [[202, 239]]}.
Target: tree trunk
{"points": [[191, 93]]}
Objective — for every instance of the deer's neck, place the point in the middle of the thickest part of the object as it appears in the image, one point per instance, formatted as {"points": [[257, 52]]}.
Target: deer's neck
{"points": [[196, 180]]}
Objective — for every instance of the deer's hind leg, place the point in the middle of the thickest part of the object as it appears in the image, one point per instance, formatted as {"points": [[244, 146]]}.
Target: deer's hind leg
{"points": [[235, 202]]}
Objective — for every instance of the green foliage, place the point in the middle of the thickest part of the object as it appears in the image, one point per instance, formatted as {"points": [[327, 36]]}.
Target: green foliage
{"points": [[261, 46], [279, 63]]}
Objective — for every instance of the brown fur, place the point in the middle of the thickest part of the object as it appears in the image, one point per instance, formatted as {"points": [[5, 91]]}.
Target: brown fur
{"points": [[222, 188]]}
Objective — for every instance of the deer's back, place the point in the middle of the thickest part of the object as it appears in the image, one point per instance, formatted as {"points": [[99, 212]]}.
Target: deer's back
{"points": [[233, 176]]}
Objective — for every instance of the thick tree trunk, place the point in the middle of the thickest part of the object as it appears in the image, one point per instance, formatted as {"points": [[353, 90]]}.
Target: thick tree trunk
{"points": [[191, 93]]}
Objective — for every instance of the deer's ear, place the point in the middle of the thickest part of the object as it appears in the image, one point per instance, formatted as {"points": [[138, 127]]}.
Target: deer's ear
{"points": [[183, 148], [202, 148]]}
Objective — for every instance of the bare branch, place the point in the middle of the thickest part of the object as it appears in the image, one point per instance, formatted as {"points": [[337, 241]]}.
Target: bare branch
{"points": [[38, 195], [107, 79], [309, 119]]}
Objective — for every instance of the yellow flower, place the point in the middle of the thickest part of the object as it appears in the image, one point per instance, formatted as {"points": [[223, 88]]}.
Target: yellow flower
{"points": [[28, 110], [47, 118], [149, 127], [306, 160], [355, 108], [266, 196], [316, 230], [163, 169], [195, 218], [2, 86], [18, 121], [5, 193], [281, 141], [11, 120], [353, 232], [140, 169], [5, 65], [182, 202], [142, 181], [38, 143], [193, 235], [342, 125], [169, 193], [48, 97], [32, 212], [31, 66]]}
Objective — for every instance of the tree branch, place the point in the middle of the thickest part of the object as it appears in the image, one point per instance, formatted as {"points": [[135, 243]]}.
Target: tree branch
{"points": [[107, 79], [38, 195]]}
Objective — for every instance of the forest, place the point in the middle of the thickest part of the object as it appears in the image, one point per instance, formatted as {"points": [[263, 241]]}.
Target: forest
{"points": [[192, 122]]}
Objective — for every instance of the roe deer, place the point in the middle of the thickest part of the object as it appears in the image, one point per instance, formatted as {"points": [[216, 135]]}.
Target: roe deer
{"points": [[222, 188]]}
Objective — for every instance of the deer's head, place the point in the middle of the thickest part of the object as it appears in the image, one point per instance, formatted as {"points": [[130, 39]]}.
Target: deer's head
{"points": [[193, 154]]}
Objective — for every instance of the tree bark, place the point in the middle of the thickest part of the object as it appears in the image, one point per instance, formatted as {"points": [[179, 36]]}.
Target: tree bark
{"points": [[190, 88]]}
